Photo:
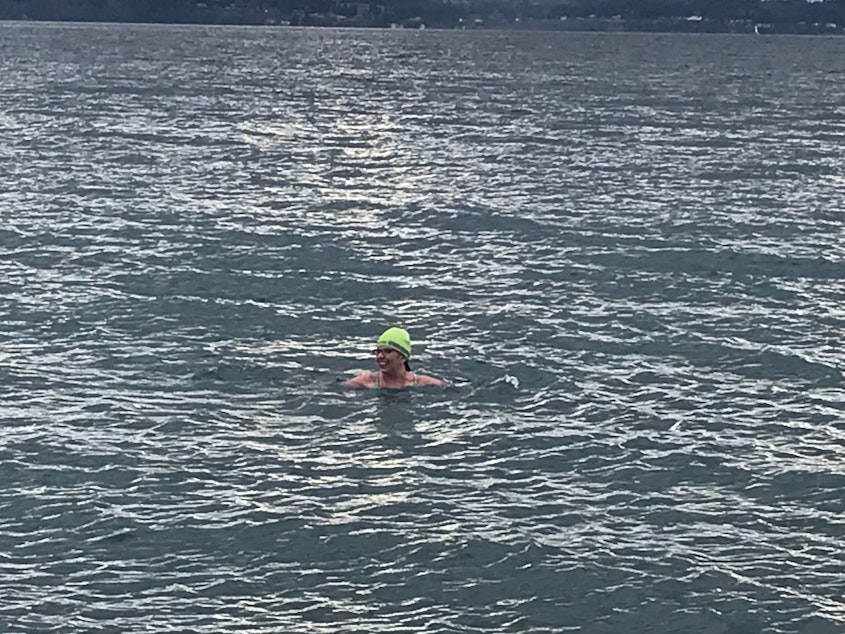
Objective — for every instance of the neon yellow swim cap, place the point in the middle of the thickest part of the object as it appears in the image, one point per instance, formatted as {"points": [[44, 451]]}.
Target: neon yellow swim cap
{"points": [[396, 338]]}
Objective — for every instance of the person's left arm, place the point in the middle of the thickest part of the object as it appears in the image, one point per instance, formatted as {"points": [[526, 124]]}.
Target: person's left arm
{"points": [[424, 379]]}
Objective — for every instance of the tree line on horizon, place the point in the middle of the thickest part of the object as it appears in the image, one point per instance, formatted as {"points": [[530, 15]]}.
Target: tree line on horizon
{"points": [[434, 13]]}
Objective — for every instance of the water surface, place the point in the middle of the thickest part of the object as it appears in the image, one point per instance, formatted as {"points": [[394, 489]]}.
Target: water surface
{"points": [[626, 251]]}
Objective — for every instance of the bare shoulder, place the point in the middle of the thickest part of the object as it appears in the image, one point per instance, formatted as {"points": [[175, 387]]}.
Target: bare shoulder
{"points": [[424, 379], [365, 379]]}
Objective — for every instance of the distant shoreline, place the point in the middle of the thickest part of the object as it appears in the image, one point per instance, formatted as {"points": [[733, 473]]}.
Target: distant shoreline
{"points": [[576, 25], [792, 17]]}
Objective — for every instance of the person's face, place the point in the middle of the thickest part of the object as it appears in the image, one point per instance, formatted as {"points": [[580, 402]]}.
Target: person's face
{"points": [[388, 359]]}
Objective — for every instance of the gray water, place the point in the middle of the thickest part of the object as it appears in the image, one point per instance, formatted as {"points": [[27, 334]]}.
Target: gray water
{"points": [[625, 252]]}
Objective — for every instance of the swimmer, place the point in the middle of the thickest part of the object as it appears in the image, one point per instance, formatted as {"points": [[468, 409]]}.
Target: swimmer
{"points": [[393, 350]]}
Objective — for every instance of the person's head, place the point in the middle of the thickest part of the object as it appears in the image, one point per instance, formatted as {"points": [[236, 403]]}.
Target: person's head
{"points": [[392, 342]]}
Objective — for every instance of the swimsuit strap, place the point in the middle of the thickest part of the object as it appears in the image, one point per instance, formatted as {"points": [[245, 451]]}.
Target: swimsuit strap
{"points": [[378, 379]]}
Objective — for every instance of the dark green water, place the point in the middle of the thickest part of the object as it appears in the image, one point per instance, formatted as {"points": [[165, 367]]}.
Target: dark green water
{"points": [[627, 252]]}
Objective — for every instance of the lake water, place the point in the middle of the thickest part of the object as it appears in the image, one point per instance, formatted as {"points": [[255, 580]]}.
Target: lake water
{"points": [[625, 251]]}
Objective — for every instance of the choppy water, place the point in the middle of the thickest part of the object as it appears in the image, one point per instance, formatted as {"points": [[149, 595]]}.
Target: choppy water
{"points": [[626, 251]]}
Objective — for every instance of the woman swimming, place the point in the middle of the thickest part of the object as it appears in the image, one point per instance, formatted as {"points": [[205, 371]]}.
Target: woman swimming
{"points": [[393, 351]]}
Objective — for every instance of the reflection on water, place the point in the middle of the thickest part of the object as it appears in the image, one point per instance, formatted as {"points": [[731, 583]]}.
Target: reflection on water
{"points": [[395, 411]]}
